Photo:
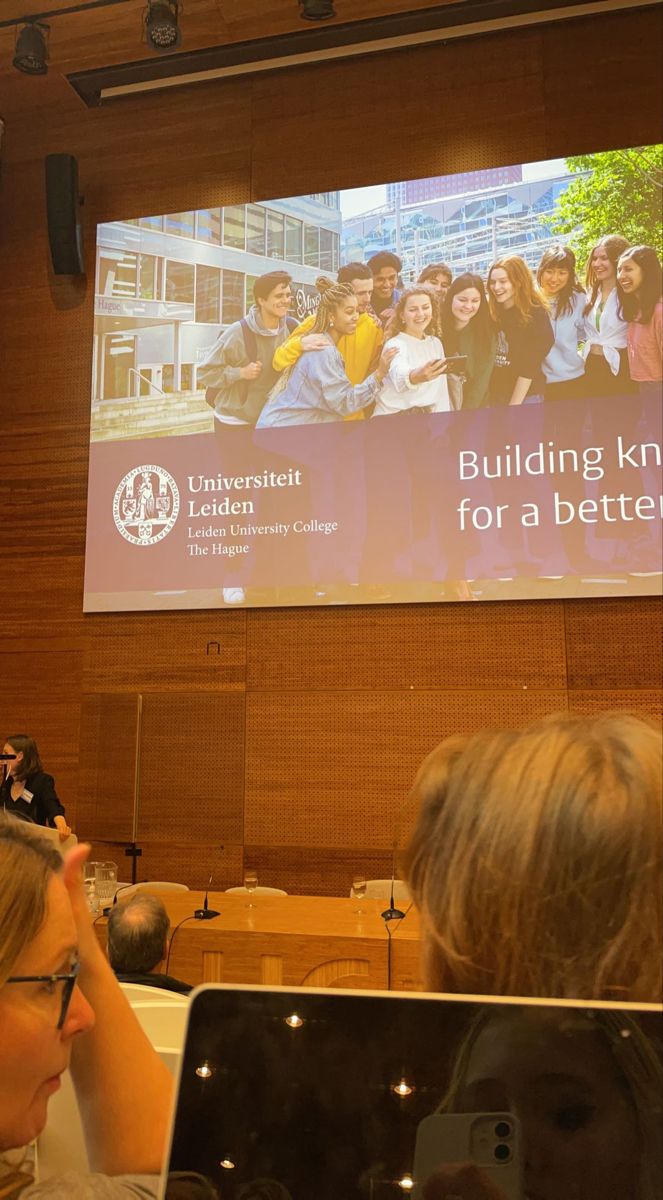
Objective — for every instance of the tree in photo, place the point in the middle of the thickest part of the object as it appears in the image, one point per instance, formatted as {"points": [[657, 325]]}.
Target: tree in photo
{"points": [[618, 191]]}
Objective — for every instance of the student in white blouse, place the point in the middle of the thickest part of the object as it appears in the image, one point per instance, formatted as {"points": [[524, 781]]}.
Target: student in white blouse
{"points": [[604, 350], [417, 375]]}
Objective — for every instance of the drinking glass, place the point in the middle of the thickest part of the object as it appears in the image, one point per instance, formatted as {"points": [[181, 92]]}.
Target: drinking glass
{"points": [[105, 883], [250, 883], [359, 891], [89, 883]]}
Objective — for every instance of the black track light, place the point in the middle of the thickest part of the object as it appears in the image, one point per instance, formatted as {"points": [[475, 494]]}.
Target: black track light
{"points": [[31, 52], [317, 10], [162, 29]]}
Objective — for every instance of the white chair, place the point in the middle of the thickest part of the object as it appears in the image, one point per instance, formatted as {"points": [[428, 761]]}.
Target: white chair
{"points": [[164, 1024], [61, 1146], [257, 891], [153, 886], [142, 993], [53, 836], [380, 889]]}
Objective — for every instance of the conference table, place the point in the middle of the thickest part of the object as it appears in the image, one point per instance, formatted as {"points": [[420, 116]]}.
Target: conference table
{"points": [[296, 941]]}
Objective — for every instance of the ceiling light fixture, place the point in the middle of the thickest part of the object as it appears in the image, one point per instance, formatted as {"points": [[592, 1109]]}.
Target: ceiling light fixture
{"points": [[162, 31], [31, 52], [317, 10]]}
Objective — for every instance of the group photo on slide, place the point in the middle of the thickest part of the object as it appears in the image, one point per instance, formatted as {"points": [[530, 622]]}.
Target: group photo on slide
{"points": [[515, 313]]}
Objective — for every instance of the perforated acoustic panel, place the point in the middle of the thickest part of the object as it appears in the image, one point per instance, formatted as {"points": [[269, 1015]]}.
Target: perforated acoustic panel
{"points": [[464, 646], [629, 651], [333, 769], [316, 870], [107, 766], [191, 767]]}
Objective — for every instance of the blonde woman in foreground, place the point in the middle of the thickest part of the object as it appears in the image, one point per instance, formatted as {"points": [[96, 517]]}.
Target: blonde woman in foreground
{"points": [[536, 867], [536, 860], [61, 1006]]}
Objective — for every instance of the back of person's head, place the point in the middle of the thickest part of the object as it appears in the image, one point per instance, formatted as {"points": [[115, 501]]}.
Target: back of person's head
{"points": [[27, 864], [22, 743], [137, 935], [536, 860]]}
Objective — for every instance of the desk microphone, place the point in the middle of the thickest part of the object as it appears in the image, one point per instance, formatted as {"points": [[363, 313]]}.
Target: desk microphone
{"points": [[206, 913], [120, 888], [392, 913]]}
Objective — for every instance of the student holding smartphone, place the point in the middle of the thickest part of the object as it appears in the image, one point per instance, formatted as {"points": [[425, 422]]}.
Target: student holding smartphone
{"points": [[469, 331], [417, 375]]}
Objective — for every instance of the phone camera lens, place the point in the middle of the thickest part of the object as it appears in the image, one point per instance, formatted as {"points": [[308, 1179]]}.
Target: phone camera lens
{"points": [[502, 1129], [502, 1153]]}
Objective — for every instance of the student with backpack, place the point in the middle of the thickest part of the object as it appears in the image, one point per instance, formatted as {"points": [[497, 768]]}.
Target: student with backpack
{"points": [[238, 376], [237, 373]]}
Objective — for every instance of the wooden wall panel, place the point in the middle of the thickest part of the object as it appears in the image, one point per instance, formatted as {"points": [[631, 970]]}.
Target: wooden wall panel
{"points": [[643, 702], [191, 650], [41, 606], [393, 134], [334, 768], [629, 652], [108, 766], [508, 645], [311, 767], [316, 870], [191, 767], [179, 862]]}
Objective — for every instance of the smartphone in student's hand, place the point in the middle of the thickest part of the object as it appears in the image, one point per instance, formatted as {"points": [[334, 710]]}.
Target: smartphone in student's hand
{"points": [[489, 1141], [455, 362]]}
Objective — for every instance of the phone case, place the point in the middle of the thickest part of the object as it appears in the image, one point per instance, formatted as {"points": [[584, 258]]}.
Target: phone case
{"points": [[490, 1141]]}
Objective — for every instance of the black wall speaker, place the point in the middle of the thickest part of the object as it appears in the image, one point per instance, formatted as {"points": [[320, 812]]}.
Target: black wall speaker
{"points": [[63, 211]]}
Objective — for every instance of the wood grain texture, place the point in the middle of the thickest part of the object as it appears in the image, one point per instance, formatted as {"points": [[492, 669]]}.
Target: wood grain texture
{"points": [[334, 768], [381, 649], [296, 745], [629, 653]]}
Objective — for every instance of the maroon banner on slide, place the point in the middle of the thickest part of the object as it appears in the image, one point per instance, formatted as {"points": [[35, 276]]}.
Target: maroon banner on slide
{"points": [[562, 489]]}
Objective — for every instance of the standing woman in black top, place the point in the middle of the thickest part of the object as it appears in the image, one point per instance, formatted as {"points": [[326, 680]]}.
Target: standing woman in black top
{"points": [[520, 312], [27, 790]]}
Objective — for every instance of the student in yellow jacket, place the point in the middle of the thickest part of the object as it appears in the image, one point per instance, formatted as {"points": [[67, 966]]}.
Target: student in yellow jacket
{"points": [[360, 352]]}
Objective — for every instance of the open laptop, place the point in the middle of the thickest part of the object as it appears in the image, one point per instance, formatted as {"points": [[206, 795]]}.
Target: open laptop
{"points": [[312, 1094]]}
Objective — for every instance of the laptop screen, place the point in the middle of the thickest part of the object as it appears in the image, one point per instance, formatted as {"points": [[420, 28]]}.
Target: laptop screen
{"points": [[329, 1095]]}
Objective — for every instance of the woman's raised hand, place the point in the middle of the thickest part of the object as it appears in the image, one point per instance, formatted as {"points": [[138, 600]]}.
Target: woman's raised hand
{"points": [[385, 361]]}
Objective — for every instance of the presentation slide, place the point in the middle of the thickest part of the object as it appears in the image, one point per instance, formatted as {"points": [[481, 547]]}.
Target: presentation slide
{"points": [[431, 390]]}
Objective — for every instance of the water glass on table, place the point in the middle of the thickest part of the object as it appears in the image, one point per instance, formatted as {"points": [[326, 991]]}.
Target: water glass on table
{"points": [[358, 892], [105, 883], [89, 883], [250, 883]]}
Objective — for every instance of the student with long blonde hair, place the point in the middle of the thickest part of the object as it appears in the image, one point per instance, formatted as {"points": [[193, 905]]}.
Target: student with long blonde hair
{"points": [[520, 312], [536, 861]]}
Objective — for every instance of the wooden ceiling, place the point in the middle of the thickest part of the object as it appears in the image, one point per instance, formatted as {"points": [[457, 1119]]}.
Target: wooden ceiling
{"points": [[81, 41], [98, 37]]}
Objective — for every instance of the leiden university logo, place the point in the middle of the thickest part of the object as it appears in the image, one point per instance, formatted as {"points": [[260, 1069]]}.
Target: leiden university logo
{"points": [[146, 505]]}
